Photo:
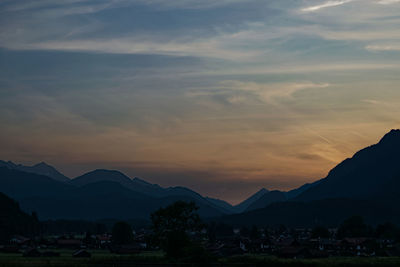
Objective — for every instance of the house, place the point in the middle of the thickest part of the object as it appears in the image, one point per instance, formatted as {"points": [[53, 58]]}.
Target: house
{"points": [[324, 244], [358, 246], [228, 247], [20, 240], [103, 241], [260, 245]]}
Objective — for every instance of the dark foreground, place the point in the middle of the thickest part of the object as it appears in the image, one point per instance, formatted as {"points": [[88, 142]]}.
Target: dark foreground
{"points": [[102, 258]]}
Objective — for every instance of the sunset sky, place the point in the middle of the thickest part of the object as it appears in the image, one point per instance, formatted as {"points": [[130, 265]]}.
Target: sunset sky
{"points": [[222, 96]]}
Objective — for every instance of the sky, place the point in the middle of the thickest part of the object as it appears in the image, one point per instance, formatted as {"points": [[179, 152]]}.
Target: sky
{"points": [[224, 97]]}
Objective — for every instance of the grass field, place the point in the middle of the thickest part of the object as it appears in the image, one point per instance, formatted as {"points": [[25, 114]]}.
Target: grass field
{"points": [[105, 259]]}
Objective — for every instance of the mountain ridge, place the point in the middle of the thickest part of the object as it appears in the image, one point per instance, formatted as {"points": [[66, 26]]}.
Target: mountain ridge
{"points": [[371, 174], [56, 200], [359, 175], [39, 168], [366, 184]]}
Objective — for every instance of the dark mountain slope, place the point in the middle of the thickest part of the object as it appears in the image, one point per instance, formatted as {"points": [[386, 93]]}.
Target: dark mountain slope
{"points": [[106, 204], [246, 203], [368, 184], [18, 184], [40, 168], [369, 172], [107, 188], [101, 176], [143, 187], [97, 200], [328, 212], [222, 204], [268, 198], [295, 192], [135, 184], [13, 220]]}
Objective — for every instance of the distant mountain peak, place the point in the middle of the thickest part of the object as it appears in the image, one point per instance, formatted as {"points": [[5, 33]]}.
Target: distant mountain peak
{"points": [[369, 172], [8, 164], [391, 137], [246, 203], [268, 198], [42, 164], [41, 168], [105, 171], [263, 190], [104, 174]]}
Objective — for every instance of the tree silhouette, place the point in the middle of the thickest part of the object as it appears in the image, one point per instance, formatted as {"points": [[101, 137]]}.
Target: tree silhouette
{"points": [[320, 232], [354, 227], [254, 232], [172, 224], [122, 233]]}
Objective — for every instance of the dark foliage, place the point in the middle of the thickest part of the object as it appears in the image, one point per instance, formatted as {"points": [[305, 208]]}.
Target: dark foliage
{"points": [[70, 226], [219, 230], [354, 227], [13, 221], [122, 234], [172, 224], [320, 232], [388, 231], [254, 232]]}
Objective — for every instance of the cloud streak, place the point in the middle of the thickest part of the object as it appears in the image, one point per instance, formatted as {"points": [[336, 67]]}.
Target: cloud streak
{"points": [[325, 5], [389, 47]]}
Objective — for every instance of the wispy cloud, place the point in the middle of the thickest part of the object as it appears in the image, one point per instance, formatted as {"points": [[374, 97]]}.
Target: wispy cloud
{"points": [[388, 47], [335, 3], [388, 2], [212, 48], [238, 92], [325, 5]]}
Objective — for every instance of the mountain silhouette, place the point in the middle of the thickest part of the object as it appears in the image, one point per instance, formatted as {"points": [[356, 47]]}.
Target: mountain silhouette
{"points": [[371, 171], [326, 212], [140, 186], [18, 184], [136, 184], [102, 175], [40, 168], [297, 191], [246, 203], [266, 199], [366, 184], [94, 198], [222, 204]]}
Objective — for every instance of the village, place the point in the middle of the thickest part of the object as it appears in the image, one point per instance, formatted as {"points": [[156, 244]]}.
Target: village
{"points": [[219, 241]]}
